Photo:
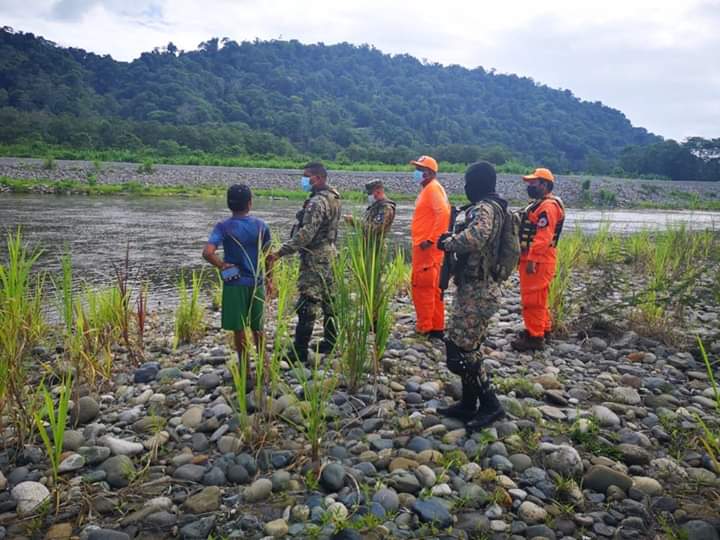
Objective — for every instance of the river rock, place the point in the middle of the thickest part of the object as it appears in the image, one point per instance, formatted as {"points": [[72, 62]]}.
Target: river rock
{"points": [[276, 528], [208, 500], [648, 486], [29, 496], [86, 410], [332, 477], [259, 490], [73, 462], [388, 499], [190, 472], [633, 454], [198, 530], [700, 530], [531, 513], [121, 447], [119, 469], [564, 460], [626, 395], [600, 477], [605, 417], [94, 454], [432, 511], [192, 417]]}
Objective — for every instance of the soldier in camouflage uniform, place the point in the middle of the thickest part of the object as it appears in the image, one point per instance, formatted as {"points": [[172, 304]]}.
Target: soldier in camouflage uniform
{"points": [[477, 296], [313, 237], [379, 216]]}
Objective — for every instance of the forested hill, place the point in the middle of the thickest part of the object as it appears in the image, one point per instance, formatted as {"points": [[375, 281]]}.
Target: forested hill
{"points": [[284, 98]]}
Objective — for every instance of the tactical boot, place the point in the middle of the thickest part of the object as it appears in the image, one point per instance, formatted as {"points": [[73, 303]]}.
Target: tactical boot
{"points": [[435, 334], [325, 346], [490, 410], [463, 410], [295, 354], [526, 342]]}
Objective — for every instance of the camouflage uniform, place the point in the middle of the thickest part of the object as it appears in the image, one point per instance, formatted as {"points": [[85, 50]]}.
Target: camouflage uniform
{"points": [[477, 296], [314, 239], [379, 216]]}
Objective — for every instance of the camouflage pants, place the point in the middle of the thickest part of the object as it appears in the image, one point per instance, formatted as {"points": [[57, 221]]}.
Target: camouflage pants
{"points": [[473, 306], [314, 283]]}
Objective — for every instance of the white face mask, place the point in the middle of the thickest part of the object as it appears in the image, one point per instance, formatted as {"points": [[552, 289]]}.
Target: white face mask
{"points": [[371, 199]]}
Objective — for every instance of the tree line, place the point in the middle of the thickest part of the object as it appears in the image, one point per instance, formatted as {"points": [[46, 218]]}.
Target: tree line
{"points": [[283, 98]]}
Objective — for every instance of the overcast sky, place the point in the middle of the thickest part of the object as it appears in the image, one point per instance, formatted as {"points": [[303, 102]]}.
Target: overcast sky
{"points": [[655, 60]]}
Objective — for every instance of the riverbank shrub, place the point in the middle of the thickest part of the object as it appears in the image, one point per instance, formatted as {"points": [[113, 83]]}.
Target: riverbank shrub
{"points": [[22, 327], [190, 312]]}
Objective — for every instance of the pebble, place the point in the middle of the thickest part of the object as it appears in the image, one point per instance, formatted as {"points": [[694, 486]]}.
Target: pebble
{"points": [[119, 470], [207, 500], [332, 477], [600, 477], [276, 528], [121, 447], [531, 513], [86, 411], [388, 499], [257, 491], [432, 511], [29, 496], [73, 462]]}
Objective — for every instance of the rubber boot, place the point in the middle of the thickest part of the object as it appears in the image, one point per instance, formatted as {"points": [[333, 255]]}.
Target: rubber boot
{"points": [[458, 363], [303, 332], [526, 342], [329, 334], [490, 410]]}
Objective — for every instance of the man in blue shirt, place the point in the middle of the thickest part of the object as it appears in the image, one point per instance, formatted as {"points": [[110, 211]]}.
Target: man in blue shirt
{"points": [[243, 238]]}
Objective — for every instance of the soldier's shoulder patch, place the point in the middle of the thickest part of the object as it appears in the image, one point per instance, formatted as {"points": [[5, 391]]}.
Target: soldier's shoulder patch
{"points": [[542, 221]]}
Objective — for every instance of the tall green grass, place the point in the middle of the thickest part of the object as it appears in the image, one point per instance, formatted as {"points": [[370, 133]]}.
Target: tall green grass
{"points": [[57, 419], [570, 250], [190, 312], [22, 326]]}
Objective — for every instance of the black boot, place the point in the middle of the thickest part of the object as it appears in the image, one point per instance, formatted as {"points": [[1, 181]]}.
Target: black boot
{"points": [[329, 332], [526, 342], [303, 332], [459, 363], [490, 410]]}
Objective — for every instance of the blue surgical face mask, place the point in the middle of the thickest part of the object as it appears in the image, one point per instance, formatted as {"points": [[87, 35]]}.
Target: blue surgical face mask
{"points": [[371, 199], [305, 183], [418, 176]]}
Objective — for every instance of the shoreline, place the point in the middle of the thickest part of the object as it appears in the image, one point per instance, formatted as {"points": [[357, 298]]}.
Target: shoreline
{"points": [[112, 178]]}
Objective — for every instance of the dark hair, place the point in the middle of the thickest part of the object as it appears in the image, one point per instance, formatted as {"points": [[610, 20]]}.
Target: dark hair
{"points": [[316, 168], [549, 185], [239, 197]]}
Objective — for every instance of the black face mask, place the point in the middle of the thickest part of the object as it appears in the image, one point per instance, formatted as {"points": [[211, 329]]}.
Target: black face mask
{"points": [[475, 191], [535, 192]]}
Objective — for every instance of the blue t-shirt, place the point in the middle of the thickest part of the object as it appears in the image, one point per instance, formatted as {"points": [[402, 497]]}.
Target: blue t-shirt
{"points": [[241, 239]]}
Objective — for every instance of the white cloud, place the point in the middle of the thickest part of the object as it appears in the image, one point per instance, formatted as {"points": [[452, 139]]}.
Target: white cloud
{"points": [[652, 59]]}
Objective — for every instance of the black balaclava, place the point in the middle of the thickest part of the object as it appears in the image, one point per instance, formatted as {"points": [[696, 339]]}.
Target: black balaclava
{"points": [[480, 180]]}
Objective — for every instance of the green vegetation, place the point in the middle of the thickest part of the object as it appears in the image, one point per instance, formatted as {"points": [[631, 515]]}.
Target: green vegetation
{"points": [[57, 418], [190, 313], [282, 98], [365, 281], [22, 326]]}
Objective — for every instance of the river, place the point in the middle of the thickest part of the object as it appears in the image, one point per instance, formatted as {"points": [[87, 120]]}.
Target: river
{"points": [[168, 234]]}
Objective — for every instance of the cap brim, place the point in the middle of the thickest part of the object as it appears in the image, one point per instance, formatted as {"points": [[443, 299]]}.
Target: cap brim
{"points": [[418, 164], [531, 177]]}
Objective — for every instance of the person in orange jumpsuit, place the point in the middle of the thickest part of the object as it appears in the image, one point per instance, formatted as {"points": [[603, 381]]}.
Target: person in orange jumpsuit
{"points": [[431, 218], [540, 229]]}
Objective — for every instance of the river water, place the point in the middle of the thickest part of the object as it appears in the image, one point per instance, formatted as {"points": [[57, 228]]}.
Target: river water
{"points": [[166, 235]]}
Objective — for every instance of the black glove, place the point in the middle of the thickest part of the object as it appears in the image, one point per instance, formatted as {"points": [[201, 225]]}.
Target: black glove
{"points": [[441, 240]]}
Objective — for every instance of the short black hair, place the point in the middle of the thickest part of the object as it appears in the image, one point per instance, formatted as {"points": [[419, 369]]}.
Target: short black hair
{"points": [[316, 168], [239, 197]]}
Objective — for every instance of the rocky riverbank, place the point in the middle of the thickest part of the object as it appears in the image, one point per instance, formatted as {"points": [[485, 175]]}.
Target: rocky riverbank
{"points": [[576, 191], [601, 441]]}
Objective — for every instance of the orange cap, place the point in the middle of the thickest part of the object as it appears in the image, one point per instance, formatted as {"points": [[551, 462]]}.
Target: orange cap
{"points": [[427, 162], [540, 174]]}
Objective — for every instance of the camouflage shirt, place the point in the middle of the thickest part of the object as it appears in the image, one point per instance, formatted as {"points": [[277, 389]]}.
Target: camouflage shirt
{"points": [[379, 216], [476, 239], [317, 225]]}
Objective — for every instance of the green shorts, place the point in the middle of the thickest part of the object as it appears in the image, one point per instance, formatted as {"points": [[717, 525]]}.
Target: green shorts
{"points": [[242, 307]]}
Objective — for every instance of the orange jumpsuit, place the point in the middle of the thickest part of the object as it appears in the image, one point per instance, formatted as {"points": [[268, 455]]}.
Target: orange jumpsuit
{"points": [[539, 233], [430, 219]]}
